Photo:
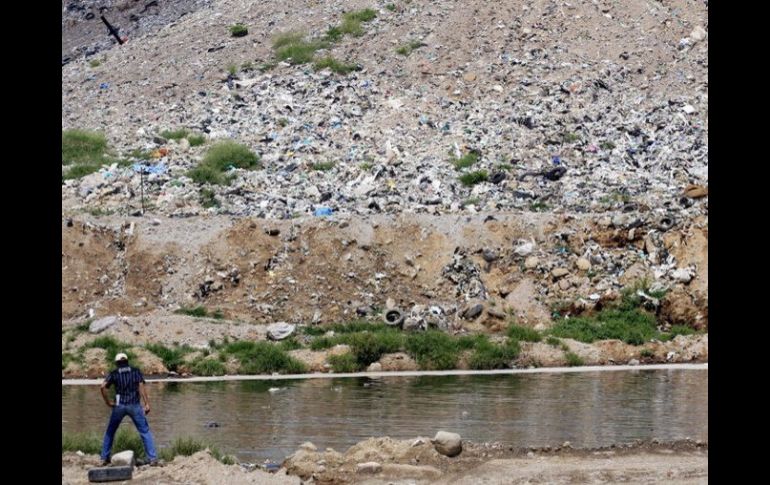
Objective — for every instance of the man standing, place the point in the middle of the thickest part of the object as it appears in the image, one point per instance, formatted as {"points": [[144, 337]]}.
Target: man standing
{"points": [[129, 385]]}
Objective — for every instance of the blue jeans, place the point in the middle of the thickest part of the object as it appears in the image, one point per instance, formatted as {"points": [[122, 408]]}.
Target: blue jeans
{"points": [[137, 416]]}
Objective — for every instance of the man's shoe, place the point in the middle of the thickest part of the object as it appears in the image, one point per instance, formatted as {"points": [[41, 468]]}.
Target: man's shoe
{"points": [[156, 463], [105, 463]]}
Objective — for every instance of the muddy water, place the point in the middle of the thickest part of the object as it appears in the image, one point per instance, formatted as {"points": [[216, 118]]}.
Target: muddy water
{"points": [[268, 419]]}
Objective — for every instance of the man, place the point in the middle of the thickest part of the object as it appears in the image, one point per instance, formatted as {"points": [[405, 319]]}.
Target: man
{"points": [[129, 385]]}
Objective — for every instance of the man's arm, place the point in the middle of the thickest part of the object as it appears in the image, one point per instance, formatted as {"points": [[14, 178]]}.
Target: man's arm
{"points": [[103, 388], [145, 398]]}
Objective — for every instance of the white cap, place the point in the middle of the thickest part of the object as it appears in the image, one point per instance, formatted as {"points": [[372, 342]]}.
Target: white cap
{"points": [[121, 356]]}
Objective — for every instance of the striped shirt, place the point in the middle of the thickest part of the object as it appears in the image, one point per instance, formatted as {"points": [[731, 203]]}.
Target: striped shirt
{"points": [[126, 381]]}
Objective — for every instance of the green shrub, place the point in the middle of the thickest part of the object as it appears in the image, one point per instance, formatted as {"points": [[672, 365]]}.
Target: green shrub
{"points": [[208, 367], [88, 443], [473, 178], [238, 30], [433, 350], [466, 160], [112, 346], [227, 154], [172, 358], [526, 334], [334, 65], [263, 358], [488, 355], [573, 360], [83, 147], [196, 140], [198, 311], [631, 325], [174, 134], [344, 363]]}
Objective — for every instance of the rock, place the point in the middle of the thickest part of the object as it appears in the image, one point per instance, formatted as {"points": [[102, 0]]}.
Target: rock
{"points": [[489, 255], [124, 458], [682, 275], [374, 367], [280, 330], [633, 362], [473, 311], [559, 272], [102, 324], [370, 467], [308, 446], [524, 249], [448, 444], [398, 361], [412, 323], [583, 264], [469, 76], [698, 34], [531, 262], [696, 191]]}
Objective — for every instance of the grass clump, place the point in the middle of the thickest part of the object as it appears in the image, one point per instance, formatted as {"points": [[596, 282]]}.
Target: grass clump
{"points": [[334, 34], [391, 7], [334, 65], [573, 360], [140, 154], [607, 145], [82, 147], [221, 157], [433, 350], [647, 353], [351, 22], [631, 325], [88, 443], [294, 48], [407, 48], [172, 358], [369, 347], [526, 334], [85, 151], [553, 341], [676, 330], [467, 160], [323, 166], [472, 178], [198, 311], [364, 15], [112, 346], [208, 367], [196, 140], [238, 30], [174, 134], [95, 63], [344, 363], [263, 358], [287, 38], [488, 355], [570, 137]]}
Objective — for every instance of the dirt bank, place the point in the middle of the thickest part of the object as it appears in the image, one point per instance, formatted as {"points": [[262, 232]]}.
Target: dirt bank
{"points": [[415, 461]]}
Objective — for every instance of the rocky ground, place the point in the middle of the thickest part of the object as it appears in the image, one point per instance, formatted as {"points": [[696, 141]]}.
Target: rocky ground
{"points": [[590, 119], [384, 460]]}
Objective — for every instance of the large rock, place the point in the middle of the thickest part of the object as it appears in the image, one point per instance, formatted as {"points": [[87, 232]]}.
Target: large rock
{"points": [[397, 362], [448, 444], [102, 324], [124, 458], [370, 467], [280, 330]]}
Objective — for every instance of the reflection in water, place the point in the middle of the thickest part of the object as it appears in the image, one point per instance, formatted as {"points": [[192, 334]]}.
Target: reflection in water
{"points": [[269, 419]]}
